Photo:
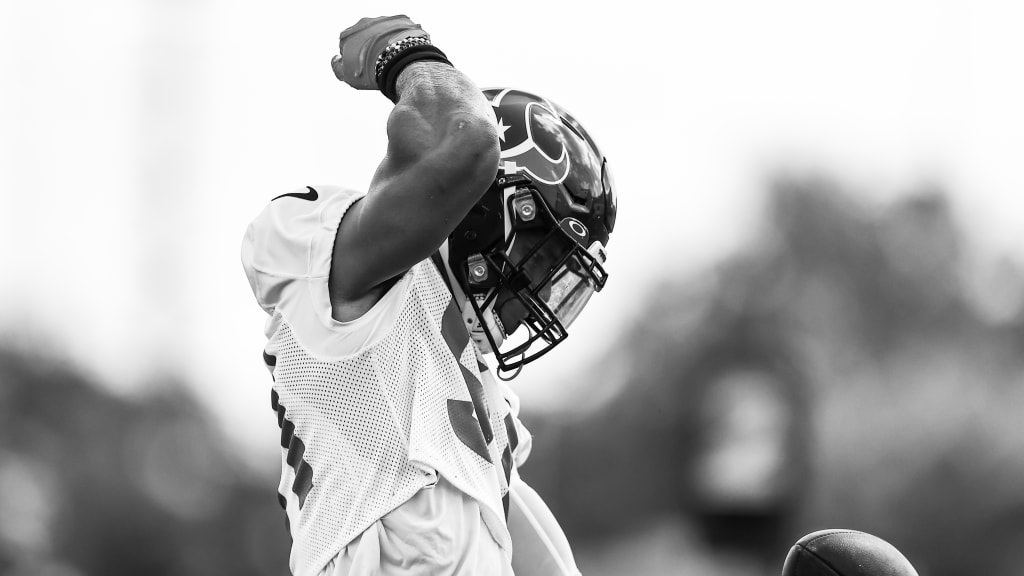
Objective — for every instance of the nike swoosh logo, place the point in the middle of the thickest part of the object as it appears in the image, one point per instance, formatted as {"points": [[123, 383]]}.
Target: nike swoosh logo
{"points": [[311, 195]]}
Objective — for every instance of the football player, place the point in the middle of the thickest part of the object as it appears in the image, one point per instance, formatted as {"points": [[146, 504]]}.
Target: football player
{"points": [[487, 217]]}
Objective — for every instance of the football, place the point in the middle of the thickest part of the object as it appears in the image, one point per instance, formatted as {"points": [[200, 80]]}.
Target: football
{"points": [[845, 553]]}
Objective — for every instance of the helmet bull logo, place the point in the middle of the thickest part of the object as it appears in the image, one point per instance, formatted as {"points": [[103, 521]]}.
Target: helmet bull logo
{"points": [[533, 138]]}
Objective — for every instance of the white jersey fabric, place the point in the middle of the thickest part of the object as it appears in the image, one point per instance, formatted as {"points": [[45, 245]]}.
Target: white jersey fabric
{"points": [[439, 531], [372, 410]]}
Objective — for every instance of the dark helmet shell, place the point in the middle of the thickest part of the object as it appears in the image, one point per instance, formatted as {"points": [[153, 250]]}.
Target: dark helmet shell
{"points": [[565, 164], [545, 220]]}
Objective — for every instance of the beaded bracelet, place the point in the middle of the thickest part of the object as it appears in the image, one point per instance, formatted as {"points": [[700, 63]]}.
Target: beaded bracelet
{"points": [[398, 55]]}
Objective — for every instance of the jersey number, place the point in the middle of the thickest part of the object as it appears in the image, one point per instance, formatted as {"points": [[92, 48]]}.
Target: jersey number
{"points": [[470, 419], [296, 448]]}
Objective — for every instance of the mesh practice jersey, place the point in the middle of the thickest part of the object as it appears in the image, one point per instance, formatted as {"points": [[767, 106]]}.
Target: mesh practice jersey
{"points": [[371, 410]]}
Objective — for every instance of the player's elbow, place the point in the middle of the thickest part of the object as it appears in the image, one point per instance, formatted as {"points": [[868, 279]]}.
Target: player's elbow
{"points": [[457, 148], [473, 154]]}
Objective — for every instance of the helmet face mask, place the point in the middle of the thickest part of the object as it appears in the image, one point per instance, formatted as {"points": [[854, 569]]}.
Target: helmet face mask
{"points": [[531, 252], [559, 272]]}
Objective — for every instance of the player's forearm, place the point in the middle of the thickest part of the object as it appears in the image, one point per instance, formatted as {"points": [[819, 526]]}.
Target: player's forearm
{"points": [[442, 124], [441, 134], [442, 153], [538, 542], [442, 156], [435, 87]]}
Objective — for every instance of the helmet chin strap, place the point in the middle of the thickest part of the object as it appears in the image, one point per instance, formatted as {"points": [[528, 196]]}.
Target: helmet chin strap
{"points": [[476, 331]]}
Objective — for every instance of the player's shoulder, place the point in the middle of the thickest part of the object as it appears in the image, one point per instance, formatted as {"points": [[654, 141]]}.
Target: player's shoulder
{"points": [[312, 193], [292, 237], [301, 212], [313, 198]]}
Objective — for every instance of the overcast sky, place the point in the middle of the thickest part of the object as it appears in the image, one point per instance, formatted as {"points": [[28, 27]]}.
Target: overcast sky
{"points": [[138, 138]]}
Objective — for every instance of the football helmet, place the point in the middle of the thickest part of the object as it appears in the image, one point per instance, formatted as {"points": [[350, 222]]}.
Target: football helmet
{"points": [[531, 252]]}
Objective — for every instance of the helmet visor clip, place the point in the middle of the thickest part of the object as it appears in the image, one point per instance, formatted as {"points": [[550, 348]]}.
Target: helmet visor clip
{"points": [[524, 205], [477, 269]]}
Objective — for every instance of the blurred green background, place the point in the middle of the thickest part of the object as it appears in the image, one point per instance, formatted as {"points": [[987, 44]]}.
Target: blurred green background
{"points": [[814, 319]]}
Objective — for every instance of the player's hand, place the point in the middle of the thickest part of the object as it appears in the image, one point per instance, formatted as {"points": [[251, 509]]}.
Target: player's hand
{"points": [[362, 43]]}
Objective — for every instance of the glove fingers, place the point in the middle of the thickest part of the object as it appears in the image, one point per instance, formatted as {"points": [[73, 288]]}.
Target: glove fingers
{"points": [[362, 43]]}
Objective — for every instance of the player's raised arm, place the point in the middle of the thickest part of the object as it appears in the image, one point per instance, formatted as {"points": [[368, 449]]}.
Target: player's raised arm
{"points": [[442, 154]]}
